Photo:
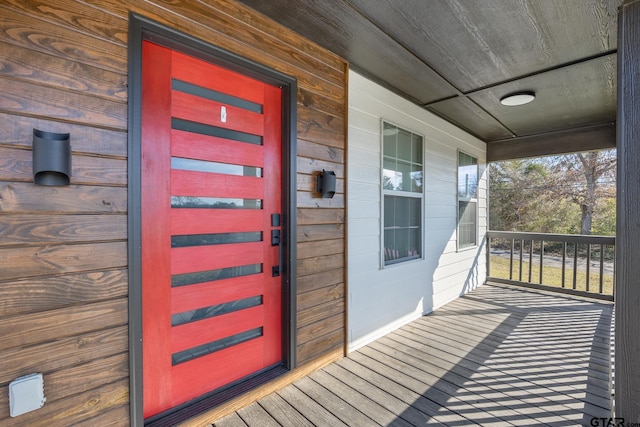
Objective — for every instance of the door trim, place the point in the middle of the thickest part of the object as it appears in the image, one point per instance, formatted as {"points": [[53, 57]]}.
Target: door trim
{"points": [[142, 28]]}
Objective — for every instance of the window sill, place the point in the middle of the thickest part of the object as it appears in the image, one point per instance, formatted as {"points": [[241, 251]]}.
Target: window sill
{"points": [[405, 261], [467, 248]]}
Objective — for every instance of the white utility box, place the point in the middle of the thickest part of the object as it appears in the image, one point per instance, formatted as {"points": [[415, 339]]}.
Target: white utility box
{"points": [[26, 394]]}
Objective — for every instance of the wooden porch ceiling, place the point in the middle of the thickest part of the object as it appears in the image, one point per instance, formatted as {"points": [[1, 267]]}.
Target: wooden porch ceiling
{"points": [[498, 356], [457, 58]]}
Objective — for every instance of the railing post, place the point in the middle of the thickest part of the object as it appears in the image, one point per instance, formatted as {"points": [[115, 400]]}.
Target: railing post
{"points": [[615, 268], [521, 249], [488, 256], [575, 263], [588, 264], [541, 258], [564, 260], [601, 268], [530, 260], [511, 260]]}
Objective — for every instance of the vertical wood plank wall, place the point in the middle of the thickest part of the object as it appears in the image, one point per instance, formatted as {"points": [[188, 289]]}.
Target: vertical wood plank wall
{"points": [[63, 250], [627, 292]]}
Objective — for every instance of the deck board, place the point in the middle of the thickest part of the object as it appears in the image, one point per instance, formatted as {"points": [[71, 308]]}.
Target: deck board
{"points": [[310, 408], [232, 420], [373, 412], [285, 414], [333, 402], [498, 356]]}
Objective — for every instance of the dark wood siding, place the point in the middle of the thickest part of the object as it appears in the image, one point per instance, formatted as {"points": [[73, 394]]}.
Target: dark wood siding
{"points": [[627, 292], [63, 250]]}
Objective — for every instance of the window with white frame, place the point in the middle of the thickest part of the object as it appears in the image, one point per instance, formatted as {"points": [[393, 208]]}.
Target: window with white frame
{"points": [[402, 188], [467, 200]]}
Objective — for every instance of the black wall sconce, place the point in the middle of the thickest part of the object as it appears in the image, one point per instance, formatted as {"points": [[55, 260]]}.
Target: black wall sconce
{"points": [[326, 184], [51, 158]]}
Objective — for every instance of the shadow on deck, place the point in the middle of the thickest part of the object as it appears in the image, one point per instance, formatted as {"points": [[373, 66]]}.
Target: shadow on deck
{"points": [[497, 356]]}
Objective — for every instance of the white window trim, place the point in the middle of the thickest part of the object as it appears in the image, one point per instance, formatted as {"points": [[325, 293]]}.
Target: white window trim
{"points": [[384, 192], [471, 199]]}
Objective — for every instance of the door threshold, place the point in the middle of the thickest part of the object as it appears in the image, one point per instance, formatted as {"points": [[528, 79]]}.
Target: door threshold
{"points": [[217, 397]]}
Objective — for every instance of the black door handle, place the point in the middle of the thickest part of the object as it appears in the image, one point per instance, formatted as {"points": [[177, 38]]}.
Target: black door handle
{"points": [[275, 241]]}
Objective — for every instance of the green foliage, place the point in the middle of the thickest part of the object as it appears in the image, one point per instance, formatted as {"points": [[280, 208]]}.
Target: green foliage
{"points": [[604, 221], [547, 195]]}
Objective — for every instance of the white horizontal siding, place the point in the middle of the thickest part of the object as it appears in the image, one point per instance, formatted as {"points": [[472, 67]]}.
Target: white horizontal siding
{"points": [[382, 299], [365, 226]]}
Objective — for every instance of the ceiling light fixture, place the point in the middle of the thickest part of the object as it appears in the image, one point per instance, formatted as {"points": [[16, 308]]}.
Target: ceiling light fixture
{"points": [[518, 98]]}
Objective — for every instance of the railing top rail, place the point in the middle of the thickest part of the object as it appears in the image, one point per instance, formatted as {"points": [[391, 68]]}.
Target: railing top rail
{"points": [[548, 237]]}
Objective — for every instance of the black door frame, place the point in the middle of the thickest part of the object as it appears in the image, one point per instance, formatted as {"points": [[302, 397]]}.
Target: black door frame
{"points": [[141, 28]]}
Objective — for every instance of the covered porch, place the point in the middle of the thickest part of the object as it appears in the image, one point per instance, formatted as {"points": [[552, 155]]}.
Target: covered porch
{"points": [[458, 59], [71, 290], [499, 355]]}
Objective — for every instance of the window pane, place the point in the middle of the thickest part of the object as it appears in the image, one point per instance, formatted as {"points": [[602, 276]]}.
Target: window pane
{"points": [[467, 160], [415, 242], [389, 245], [402, 173], [389, 133], [389, 211], [405, 170], [415, 212], [402, 242], [466, 224], [214, 203], [416, 179], [467, 176], [215, 167], [416, 149], [404, 145], [391, 177], [402, 211], [402, 228]]}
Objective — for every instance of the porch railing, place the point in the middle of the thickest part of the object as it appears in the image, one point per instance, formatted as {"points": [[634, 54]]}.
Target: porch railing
{"points": [[575, 264]]}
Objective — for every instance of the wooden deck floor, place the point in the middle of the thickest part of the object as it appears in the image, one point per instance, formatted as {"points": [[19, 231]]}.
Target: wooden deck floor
{"points": [[498, 356]]}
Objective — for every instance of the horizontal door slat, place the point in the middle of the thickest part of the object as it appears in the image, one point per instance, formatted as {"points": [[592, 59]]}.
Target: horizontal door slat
{"points": [[203, 184], [193, 334], [198, 72], [185, 298], [205, 221], [204, 147], [200, 110], [199, 376], [202, 258]]}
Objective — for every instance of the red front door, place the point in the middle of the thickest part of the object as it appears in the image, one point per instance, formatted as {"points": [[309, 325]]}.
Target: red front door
{"points": [[211, 199]]}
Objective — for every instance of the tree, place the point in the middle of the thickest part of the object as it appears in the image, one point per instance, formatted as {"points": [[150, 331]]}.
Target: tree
{"points": [[563, 194], [512, 186], [586, 178], [520, 199]]}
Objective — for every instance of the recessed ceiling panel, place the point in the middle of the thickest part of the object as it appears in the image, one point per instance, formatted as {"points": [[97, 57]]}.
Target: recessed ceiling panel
{"points": [[465, 114], [564, 50], [338, 27], [580, 95], [479, 43]]}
